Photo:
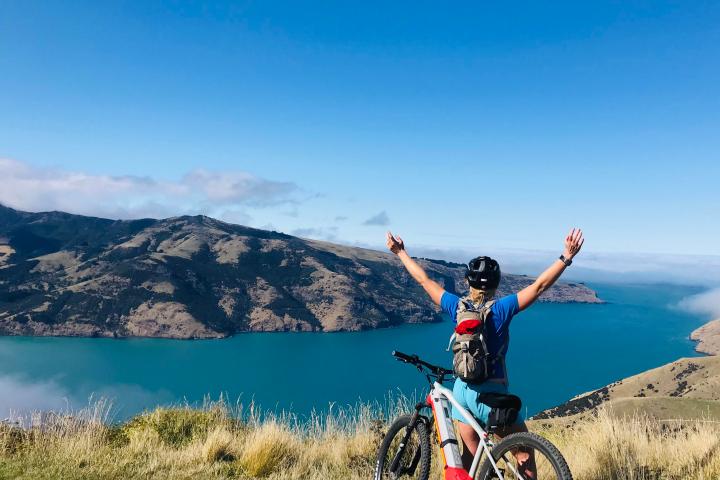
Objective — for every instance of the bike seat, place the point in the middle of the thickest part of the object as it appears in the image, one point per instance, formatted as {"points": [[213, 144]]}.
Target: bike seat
{"points": [[500, 400]]}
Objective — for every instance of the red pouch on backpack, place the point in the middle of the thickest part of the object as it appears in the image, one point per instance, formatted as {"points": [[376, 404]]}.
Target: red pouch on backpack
{"points": [[468, 327]]}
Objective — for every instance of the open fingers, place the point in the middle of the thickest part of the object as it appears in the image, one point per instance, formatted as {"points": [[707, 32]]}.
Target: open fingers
{"points": [[571, 235], [576, 242], [579, 236]]}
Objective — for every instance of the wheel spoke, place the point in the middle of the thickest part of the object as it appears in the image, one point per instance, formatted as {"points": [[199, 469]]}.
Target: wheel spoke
{"points": [[510, 464], [405, 460], [526, 456], [527, 464]]}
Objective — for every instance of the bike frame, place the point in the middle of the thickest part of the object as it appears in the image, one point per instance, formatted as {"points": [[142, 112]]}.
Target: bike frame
{"points": [[440, 399]]}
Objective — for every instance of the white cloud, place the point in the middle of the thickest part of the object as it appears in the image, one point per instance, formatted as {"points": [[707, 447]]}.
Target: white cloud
{"points": [[269, 226], [30, 188], [701, 270], [329, 233], [706, 303], [20, 396], [236, 216], [239, 187]]}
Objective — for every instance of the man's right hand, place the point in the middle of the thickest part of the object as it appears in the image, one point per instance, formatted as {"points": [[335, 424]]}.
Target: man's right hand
{"points": [[395, 244]]}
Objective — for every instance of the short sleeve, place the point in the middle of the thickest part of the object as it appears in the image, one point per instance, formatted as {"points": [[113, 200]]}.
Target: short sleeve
{"points": [[449, 303], [504, 310]]}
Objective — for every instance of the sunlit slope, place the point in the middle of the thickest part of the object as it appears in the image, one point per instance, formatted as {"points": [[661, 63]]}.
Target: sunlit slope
{"points": [[197, 277], [708, 338], [686, 388]]}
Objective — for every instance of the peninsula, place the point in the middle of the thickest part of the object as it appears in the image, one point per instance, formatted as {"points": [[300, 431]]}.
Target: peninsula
{"points": [[198, 277], [684, 389], [708, 338]]}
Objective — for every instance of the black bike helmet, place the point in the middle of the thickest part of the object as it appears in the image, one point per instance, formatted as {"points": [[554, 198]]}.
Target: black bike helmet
{"points": [[483, 273]]}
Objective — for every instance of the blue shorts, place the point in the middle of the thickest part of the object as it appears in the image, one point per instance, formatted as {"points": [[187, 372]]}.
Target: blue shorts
{"points": [[466, 395]]}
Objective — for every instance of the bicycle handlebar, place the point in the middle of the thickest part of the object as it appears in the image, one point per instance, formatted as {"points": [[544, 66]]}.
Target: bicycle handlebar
{"points": [[415, 360], [405, 357]]}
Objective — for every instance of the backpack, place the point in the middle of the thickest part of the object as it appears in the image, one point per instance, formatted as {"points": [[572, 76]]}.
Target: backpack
{"points": [[472, 362]]}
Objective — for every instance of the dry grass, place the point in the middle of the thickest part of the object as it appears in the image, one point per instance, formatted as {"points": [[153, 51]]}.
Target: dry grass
{"points": [[217, 442], [638, 447], [212, 442]]}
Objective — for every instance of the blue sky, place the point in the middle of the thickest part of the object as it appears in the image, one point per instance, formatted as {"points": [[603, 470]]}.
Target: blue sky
{"points": [[463, 126]]}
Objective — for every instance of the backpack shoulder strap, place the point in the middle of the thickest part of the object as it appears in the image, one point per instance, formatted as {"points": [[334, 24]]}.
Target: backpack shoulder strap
{"points": [[466, 303]]}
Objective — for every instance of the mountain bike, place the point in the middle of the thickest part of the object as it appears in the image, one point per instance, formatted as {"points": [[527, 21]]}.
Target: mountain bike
{"points": [[405, 450]]}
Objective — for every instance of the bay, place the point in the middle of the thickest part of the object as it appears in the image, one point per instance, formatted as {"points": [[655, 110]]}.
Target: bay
{"points": [[556, 351]]}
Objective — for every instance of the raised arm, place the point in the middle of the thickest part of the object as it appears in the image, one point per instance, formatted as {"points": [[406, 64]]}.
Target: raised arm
{"points": [[396, 245], [573, 243]]}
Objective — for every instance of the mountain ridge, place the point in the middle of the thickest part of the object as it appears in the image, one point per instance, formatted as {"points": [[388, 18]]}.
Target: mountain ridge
{"points": [[198, 277]]}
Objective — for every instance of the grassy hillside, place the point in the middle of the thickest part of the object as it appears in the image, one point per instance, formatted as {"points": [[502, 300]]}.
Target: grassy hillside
{"points": [[686, 388], [708, 338], [197, 277], [210, 443]]}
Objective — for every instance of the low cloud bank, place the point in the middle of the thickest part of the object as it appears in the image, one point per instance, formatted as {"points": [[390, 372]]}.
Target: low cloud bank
{"points": [[700, 270], [706, 303], [20, 397], [30, 188]]}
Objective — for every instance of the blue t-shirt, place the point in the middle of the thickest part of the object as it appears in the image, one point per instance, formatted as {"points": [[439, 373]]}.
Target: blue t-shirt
{"points": [[498, 337]]}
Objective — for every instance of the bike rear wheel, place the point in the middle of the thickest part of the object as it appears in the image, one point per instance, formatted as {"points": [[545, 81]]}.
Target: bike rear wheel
{"points": [[515, 455], [412, 460]]}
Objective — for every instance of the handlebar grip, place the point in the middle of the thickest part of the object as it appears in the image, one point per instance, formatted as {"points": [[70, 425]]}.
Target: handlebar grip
{"points": [[404, 357]]}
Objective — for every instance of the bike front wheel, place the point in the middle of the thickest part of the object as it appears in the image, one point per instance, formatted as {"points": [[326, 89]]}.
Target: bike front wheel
{"points": [[406, 460], [525, 456]]}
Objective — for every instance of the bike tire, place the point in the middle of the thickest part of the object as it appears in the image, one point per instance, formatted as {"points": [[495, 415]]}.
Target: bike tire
{"points": [[419, 442], [528, 440]]}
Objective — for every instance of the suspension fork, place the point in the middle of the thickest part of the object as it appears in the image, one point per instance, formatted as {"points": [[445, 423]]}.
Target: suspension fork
{"points": [[403, 443]]}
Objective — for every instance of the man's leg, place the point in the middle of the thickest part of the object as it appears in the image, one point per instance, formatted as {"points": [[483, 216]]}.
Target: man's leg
{"points": [[470, 440], [526, 460]]}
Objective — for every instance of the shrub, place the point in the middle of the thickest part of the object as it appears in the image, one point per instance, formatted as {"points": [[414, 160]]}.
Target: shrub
{"points": [[270, 445], [176, 427]]}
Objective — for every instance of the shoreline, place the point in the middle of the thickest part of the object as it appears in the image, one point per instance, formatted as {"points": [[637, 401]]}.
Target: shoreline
{"points": [[707, 338], [221, 336], [707, 343]]}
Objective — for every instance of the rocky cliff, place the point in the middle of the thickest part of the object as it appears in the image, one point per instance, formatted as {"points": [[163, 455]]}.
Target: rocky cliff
{"points": [[197, 277]]}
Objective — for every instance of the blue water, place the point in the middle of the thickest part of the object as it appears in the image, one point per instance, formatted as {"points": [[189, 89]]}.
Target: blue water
{"points": [[556, 352]]}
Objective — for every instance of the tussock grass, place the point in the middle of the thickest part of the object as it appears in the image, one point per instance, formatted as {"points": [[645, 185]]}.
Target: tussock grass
{"points": [[218, 442], [215, 441], [638, 447]]}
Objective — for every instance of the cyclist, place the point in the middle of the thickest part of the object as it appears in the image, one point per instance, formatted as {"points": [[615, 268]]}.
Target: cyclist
{"points": [[483, 276]]}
